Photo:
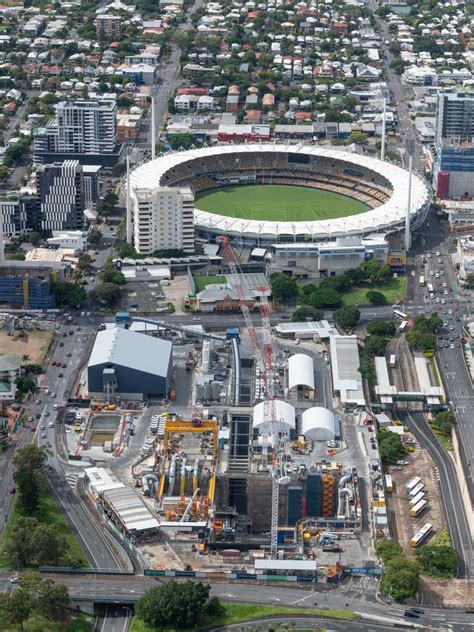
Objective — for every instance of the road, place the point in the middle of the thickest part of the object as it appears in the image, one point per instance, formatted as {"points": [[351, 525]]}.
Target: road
{"points": [[351, 597]]}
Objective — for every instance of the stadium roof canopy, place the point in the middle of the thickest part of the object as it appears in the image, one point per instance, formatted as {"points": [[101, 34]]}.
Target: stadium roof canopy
{"points": [[300, 371], [383, 218]]}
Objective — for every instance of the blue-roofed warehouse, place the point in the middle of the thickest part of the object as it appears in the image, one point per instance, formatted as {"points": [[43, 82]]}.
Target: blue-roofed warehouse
{"points": [[130, 365]]}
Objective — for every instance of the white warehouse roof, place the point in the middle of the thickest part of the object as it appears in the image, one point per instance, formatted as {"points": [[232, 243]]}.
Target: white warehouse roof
{"points": [[301, 371], [285, 415], [318, 424], [346, 376]]}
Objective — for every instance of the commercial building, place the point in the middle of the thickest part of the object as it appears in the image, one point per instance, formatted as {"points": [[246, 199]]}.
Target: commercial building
{"points": [[60, 190], [129, 365], [18, 214], [27, 284], [163, 218], [454, 166], [73, 239], [346, 377], [84, 129], [319, 260], [10, 370]]}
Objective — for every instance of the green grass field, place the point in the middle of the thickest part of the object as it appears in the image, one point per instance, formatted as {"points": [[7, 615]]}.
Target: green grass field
{"points": [[279, 203], [393, 290], [234, 613], [202, 281], [48, 513]]}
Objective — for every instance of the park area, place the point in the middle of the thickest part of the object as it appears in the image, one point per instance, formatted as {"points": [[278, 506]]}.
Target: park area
{"points": [[278, 203], [33, 344], [394, 290]]}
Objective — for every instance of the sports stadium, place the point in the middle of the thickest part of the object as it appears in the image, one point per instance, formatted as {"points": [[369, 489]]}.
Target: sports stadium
{"points": [[267, 193]]}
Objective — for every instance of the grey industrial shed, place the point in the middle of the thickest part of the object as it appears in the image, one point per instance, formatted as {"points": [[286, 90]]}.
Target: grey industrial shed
{"points": [[131, 364]]}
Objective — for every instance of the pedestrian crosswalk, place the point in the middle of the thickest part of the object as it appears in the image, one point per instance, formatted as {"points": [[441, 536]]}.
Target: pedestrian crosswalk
{"points": [[72, 480]]}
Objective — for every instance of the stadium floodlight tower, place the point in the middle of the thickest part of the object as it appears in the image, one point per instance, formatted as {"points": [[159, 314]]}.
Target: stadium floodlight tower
{"points": [[2, 251], [129, 203], [407, 216], [153, 129]]}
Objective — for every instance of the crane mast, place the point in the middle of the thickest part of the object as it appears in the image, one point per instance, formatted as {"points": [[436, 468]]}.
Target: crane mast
{"points": [[266, 358]]}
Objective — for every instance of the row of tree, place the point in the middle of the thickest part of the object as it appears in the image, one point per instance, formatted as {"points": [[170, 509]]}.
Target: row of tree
{"points": [[34, 596], [422, 336]]}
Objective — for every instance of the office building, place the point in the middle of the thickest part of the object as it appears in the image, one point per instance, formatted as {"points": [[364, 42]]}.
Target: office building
{"points": [[60, 190], [163, 218], [19, 214], [453, 169], [84, 130]]}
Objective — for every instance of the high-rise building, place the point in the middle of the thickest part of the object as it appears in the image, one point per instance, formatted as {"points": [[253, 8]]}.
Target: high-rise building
{"points": [[19, 214], [84, 129], [60, 190], [453, 169], [163, 218]]}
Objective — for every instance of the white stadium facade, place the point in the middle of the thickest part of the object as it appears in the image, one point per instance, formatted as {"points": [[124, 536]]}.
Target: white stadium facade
{"points": [[162, 193]]}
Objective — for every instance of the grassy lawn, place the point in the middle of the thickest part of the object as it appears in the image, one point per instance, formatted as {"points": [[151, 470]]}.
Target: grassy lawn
{"points": [[76, 622], [394, 289], [48, 513], [279, 203], [202, 281], [234, 613]]}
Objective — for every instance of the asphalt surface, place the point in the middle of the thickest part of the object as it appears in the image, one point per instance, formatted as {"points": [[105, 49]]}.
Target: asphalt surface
{"points": [[352, 597]]}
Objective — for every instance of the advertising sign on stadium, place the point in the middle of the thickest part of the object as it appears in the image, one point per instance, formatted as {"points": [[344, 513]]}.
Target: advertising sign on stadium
{"points": [[396, 260]]}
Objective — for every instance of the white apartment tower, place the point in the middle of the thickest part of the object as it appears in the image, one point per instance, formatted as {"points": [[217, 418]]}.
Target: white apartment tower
{"points": [[163, 218]]}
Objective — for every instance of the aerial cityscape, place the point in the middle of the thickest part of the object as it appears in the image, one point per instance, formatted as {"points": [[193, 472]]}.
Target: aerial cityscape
{"points": [[236, 315]]}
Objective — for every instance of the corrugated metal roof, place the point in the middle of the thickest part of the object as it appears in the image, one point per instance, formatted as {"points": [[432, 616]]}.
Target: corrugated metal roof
{"points": [[118, 346]]}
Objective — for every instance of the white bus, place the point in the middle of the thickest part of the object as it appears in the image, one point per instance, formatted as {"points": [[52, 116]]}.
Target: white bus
{"points": [[422, 534], [416, 490], [400, 315], [416, 499], [430, 288], [422, 281], [412, 484], [388, 483], [402, 326], [392, 362], [417, 509]]}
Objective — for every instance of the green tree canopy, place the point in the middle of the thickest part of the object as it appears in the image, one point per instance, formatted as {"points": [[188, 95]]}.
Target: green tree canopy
{"points": [[70, 294], [400, 580], [390, 447], [307, 311], [340, 283], [125, 250], [381, 328], [375, 345], [444, 422], [106, 294], [386, 549], [347, 317], [324, 298], [470, 279], [178, 604], [438, 561], [184, 140], [284, 287], [29, 463], [376, 298]]}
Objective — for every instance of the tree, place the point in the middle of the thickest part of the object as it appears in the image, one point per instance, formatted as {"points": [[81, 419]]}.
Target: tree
{"points": [[110, 274], [386, 549], [284, 287], [48, 545], [184, 140], [84, 262], [376, 298], [125, 250], [70, 294], [420, 341], [18, 549], [381, 328], [53, 600], [178, 604], [29, 463], [340, 283], [106, 293], [168, 253], [307, 312], [376, 272], [25, 385], [390, 447], [470, 279], [438, 561], [375, 345], [20, 607], [400, 580], [444, 422], [347, 317], [359, 138], [324, 298]]}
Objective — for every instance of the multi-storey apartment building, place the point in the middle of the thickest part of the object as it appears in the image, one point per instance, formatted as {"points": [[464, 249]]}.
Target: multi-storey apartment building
{"points": [[60, 190]]}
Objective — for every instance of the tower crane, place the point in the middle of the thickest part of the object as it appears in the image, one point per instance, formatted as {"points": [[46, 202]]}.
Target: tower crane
{"points": [[265, 356]]}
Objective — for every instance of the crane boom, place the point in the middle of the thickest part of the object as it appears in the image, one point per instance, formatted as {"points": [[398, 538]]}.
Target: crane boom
{"points": [[266, 358]]}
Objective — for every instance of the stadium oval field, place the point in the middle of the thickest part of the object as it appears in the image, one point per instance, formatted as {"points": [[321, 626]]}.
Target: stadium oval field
{"points": [[380, 186], [278, 203]]}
